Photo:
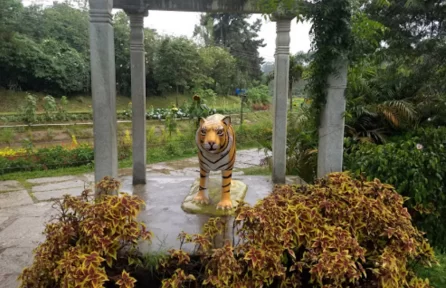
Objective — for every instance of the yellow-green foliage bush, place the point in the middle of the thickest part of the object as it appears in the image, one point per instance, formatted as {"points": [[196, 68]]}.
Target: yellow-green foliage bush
{"points": [[91, 242], [340, 232]]}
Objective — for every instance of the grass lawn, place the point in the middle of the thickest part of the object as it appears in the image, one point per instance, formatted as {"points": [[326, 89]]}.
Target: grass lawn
{"points": [[10, 102], [258, 170]]}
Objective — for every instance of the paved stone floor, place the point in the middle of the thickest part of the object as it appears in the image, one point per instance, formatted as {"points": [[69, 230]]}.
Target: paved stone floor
{"points": [[24, 211]]}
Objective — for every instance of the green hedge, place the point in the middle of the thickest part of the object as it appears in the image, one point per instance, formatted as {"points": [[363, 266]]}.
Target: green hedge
{"points": [[47, 158], [416, 165]]}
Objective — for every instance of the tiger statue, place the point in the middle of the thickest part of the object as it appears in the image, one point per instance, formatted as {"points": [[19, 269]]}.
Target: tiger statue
{"points": [[215, 139]]}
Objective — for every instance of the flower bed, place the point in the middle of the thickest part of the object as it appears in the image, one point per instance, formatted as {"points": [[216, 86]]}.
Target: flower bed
{"points": [[12, 153], [71, 155]]}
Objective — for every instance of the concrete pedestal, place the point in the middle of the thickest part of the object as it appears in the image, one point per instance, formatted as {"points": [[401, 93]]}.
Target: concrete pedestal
{"points": [[238, 192]]}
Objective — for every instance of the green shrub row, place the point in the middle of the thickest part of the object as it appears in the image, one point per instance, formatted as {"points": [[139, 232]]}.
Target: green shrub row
{"points": [[47, 158]]}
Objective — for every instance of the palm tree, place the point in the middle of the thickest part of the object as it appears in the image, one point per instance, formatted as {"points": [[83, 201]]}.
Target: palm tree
{"points": [[373, 108]]}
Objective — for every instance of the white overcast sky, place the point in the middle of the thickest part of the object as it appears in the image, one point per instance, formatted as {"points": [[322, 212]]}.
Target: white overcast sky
{"points": [[183, 23], [163, 22]]}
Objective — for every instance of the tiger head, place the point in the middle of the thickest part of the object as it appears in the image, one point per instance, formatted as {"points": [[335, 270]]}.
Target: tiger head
{"points": [[212, 135]]}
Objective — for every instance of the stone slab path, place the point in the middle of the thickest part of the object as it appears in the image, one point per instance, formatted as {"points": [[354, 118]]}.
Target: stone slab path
{"points": [[24, 211]]}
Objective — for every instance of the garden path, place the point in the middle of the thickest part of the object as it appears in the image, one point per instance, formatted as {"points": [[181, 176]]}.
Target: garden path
{"points": [[25, 210]]}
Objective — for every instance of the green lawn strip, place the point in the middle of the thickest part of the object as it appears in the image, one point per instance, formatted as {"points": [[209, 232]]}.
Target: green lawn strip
{"points": [[257, 170]]}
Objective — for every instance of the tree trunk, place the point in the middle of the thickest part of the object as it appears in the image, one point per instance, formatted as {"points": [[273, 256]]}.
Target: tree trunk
{"points": [[241, 111], [290, 95], [176, 97]]}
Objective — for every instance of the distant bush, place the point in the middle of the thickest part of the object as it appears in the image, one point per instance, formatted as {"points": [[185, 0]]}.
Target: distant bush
{"points": [[259, 95], [416, 165], [50, 107], [256, 133], [29, 109]]}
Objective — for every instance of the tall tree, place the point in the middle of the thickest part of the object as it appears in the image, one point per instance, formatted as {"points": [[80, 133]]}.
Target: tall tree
{"points": [[298, 62], [176, 64], [205, 30], [219, 67], [65, 23], [10, 12], [121, 24], [234, 32]]}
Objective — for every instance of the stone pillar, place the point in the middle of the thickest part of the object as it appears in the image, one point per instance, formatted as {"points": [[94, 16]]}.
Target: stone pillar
{"points": [[138, 71], [331, 129], [103, 87], [280, 98]]}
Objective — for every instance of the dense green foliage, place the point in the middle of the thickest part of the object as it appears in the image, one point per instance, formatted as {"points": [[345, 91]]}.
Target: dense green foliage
{"points": [[436, 274], [396, 69], [397, 65], [415, 165], [332, 43], [46, 50]]}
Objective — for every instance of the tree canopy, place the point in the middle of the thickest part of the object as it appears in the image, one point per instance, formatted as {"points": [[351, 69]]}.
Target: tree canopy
{"points": [[46, 49]]}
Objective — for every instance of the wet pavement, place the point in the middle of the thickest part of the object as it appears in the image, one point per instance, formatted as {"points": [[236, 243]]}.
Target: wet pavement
{"points": [[25, 210]]}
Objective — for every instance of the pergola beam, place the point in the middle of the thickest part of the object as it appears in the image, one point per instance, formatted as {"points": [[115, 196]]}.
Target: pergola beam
{"points": [[211, 6]]}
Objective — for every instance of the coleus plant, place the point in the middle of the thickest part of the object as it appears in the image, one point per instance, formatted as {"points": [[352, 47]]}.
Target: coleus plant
{"points": [[339, 232], [87, 239]]}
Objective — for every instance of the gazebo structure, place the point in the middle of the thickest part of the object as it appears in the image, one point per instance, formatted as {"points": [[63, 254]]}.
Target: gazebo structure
{"points": [[103, 77]]}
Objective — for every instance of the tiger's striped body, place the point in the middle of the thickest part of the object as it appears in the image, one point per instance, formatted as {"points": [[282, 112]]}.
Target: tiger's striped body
{"points": [[215, 139]]}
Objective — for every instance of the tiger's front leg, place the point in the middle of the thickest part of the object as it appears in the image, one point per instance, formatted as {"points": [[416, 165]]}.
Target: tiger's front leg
{"points": [[201, 197], [225, 202]]}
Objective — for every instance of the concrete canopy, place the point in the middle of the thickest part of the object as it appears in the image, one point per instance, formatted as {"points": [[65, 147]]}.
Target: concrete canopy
{"points": [[224, 6]]}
